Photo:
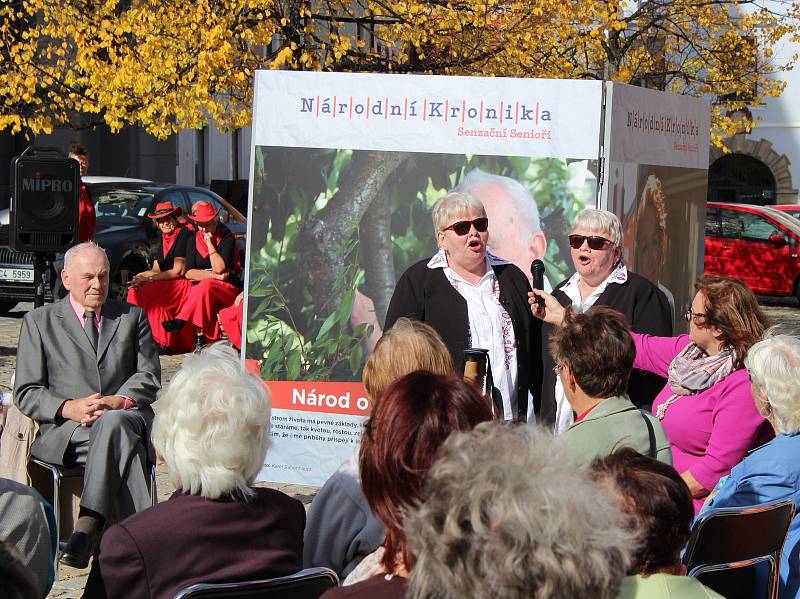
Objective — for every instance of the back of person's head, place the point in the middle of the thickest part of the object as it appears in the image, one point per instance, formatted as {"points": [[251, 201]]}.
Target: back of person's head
{"points": [[408, 346], [774, 367], [212, 425], [657, 502], [733, 307], [77, 149], [15, 581], [506, 516], [402, 439], [598, 349]]}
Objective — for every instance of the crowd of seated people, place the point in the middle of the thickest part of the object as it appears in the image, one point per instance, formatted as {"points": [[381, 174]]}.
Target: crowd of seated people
{"points": [[444, 501]]}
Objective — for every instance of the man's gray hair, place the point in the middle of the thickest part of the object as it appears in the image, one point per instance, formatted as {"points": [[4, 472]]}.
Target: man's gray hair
{"points": [[212, 425], [602, 221], [506, 515], [80, 248], [774, 367], [522, 203]]}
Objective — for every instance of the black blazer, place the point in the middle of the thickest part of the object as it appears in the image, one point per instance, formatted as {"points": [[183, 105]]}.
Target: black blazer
{"points": [[425, 294], [645, 308]]}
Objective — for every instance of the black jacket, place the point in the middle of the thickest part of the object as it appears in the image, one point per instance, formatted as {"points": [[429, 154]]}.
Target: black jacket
{"points": [[645, 308], [425, 294]]}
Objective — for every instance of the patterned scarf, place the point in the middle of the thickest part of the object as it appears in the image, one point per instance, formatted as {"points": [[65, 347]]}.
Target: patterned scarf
{"points": [[692, 370]]}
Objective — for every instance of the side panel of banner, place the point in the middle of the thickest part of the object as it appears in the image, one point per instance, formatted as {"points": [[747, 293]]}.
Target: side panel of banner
{"points": [[656, 181], [345, 170]]}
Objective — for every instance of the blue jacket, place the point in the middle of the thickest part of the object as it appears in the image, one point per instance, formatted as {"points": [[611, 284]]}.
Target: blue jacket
{"points": [[769, 473]]}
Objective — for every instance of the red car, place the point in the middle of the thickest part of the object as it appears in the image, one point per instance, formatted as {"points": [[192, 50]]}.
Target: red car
{"points": [[756, 244], [790, 209]]}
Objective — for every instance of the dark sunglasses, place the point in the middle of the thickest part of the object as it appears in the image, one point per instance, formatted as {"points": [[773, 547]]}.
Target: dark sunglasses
{"points": [[462, 227], [595, 242]]}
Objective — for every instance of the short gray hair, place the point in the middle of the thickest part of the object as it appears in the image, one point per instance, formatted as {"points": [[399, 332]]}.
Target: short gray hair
{"points": [[600, 220], [524, 525], [453, 204], [774, 367], [523, 205], [212, 425], [80, 248]]}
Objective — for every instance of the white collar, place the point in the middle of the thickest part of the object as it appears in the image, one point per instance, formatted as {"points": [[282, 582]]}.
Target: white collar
{"points": [[619, 275], [439, 260]]}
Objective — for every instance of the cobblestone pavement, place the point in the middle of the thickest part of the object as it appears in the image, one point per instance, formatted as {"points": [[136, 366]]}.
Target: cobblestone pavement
{"points": [[70, 583]]}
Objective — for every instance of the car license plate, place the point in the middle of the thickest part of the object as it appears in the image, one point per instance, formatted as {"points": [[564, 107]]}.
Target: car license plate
{"points": [[21, 275]]}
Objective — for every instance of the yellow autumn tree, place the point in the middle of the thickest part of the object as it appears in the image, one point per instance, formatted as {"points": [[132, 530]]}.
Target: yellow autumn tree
{"points": [[172, 64]]}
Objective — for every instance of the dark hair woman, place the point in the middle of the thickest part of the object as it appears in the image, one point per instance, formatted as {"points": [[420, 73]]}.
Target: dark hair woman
{"points": [[401, 442], [213, 266], [161, 290]]}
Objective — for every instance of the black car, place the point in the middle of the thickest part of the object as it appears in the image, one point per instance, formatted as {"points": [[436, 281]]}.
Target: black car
{"points": [[123, 230]]}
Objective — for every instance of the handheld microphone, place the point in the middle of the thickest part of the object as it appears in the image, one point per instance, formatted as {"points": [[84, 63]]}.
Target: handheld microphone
{"points": [[537, 272]]}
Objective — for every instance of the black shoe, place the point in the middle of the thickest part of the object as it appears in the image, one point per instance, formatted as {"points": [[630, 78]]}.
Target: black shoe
{"points": [[78, 550], [172, 326], [199, 343], [163, 350]]}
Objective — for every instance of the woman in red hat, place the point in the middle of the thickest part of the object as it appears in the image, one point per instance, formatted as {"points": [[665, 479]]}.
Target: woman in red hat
{"points": [[213, 266], [162, 290]]}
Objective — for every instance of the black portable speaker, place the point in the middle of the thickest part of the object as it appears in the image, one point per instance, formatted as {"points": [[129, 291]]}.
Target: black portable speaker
{"points": [[45, 191]]}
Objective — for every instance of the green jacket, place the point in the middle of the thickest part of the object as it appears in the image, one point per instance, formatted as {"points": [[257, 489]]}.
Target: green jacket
{"points": [[613, 423], [665, 586]]}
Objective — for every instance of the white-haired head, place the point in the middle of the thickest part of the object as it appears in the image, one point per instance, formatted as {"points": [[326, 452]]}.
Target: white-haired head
{"points": [[527, 525], [79, 249], [212, 425], [604, 222], [774, 367], [454, 206], [516, 231]]}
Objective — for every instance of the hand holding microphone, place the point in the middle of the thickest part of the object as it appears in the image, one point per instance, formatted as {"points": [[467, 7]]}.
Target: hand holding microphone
{"points": [[537, 272]]}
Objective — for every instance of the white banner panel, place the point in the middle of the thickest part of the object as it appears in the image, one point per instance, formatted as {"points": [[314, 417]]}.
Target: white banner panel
{"points": [[654, 127], [428, 113]]}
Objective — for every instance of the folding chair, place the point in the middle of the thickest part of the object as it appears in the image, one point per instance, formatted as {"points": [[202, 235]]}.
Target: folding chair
{"points": [[305, 584], [61, 472], [726, 541]]}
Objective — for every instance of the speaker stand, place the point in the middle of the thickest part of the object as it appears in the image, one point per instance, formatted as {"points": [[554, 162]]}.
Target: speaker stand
{"points": [[42, 267]]}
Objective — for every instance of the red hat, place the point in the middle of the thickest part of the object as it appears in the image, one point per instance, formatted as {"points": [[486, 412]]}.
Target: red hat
{"points": [[203, 212], [164, 209]]}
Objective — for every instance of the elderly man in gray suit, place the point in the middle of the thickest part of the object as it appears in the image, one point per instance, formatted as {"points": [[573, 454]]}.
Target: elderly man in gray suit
{"points": [[87, 371]]}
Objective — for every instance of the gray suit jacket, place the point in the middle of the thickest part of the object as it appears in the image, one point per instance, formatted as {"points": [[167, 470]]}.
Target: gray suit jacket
{"points": [[56, 362]]}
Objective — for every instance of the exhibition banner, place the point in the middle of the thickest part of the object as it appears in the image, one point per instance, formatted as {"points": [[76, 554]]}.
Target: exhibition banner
{"points": [[345, 169], [655, 180]]}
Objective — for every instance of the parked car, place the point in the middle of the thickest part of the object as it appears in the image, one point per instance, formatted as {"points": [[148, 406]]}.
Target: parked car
{"points": [[123, 230], [790, 209], [756, 244]]}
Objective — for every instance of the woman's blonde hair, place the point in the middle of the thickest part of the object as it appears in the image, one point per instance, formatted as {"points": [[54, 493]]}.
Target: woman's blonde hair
{"points": [[408, 346]]}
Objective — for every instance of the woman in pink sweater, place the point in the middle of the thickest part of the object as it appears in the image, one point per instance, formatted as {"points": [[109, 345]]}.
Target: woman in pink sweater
{"points": [[706, 406]]}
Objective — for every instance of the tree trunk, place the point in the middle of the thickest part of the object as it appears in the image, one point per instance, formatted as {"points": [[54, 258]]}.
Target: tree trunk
{"points": [[325, 235], [376, 244]]}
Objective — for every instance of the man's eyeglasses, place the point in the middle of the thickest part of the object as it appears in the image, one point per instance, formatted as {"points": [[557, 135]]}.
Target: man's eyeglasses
{"points": [[462, 227], [689, 315], [595, 241]]}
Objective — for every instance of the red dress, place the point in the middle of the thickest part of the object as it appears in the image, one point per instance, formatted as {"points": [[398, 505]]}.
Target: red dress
{"points": [[206, 298], [87, 220], [230, 319], [161, 300]]}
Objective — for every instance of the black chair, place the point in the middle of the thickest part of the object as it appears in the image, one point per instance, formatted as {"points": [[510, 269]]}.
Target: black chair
{"points": [[727, 543], [305, 584], [61, 472]]}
